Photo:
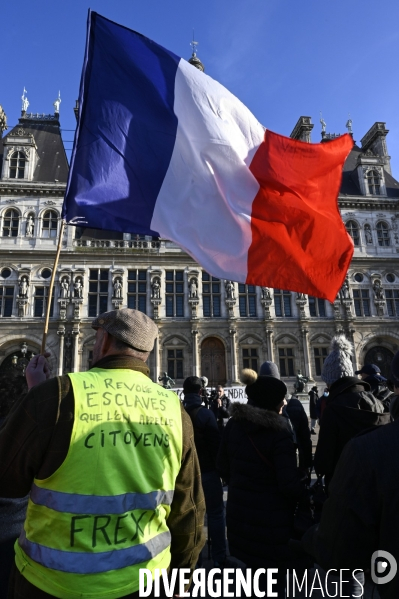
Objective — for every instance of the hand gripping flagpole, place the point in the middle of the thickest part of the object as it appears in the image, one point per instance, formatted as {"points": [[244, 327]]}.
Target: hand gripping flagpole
{"points": [[50, 291]]}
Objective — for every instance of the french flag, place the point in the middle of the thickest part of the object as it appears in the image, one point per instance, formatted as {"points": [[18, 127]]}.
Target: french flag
{"points": [[163, 149]]}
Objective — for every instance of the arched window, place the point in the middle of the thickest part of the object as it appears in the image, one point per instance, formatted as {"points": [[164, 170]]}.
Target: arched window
{"points": [[383, 234], [10, 223], [374, 182], [50, 223], [353, 229], [17, 165]]}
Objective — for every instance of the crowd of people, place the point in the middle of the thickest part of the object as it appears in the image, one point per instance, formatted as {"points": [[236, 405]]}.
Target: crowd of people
{"points": [[105, 472]]}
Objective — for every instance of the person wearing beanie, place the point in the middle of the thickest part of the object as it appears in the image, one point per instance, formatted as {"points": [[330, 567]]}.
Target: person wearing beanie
{"points": [[258, 460], [350, 409], [207, 441], [269, 369], [371, 373], [296, 415]]}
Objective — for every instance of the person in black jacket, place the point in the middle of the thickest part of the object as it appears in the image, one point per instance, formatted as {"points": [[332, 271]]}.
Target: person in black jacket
{"points": [[220, 407], [257, 458], [12, 511], [351, 408], [313, 397], [378, 383], [299, 420], [207, 442], [360, 515]]}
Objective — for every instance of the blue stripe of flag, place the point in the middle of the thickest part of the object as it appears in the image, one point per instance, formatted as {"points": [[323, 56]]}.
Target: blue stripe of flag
{"points": [[127, 129]]}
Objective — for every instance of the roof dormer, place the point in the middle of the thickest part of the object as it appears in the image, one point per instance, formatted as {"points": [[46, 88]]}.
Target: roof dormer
{"points": [[20, 155], [370, 169]]}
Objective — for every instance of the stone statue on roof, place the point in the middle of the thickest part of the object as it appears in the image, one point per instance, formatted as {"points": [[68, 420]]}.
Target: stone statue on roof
{"points": [[25, 101], [57, 103], [349, 125]]}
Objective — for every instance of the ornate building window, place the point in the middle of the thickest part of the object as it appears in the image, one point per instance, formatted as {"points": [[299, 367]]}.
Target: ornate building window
{"points": [[374, 182], [247, 300], [174, 293], [383, 234], [286, 361], [17, 165], [175, 364], [6, 273], [353, 229], [282, 302], [10, 223], [6, 301], [50, 224], [137, 290], [211, 302], [320, 354], [40, 302], [361, 299], [317, 306], [250, 358], [98, 291], [392, 297]]}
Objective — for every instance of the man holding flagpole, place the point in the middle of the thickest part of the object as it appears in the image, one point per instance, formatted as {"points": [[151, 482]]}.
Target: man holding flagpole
{"points": [[110, 463]]}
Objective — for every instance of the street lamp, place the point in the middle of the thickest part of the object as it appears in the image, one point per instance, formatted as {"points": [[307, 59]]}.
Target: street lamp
{"points": [[21, 363]]}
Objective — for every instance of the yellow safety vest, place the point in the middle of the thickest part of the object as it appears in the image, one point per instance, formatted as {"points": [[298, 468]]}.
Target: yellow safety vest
{"points": [[102, 515]]}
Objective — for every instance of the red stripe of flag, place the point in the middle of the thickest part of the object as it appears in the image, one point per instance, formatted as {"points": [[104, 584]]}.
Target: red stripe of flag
{"points": [[299, 241]]}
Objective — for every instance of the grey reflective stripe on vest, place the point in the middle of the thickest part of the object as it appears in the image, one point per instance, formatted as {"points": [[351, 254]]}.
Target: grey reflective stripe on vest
{"points": [[77, 562], [74, 503]]}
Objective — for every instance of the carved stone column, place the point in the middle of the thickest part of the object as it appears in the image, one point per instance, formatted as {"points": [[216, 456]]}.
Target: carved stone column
{"points": [[156, 359], [269, 342], [266, 302], [352, 332], [379, 304], [306, 353], [196, 368], [233, 350], [193, 303], [301, 303], [75, 359], [61, 334], [347, 303]]}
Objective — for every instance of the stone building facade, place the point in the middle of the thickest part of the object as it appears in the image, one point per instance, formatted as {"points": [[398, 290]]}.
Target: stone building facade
{"points": [[207, 326]]}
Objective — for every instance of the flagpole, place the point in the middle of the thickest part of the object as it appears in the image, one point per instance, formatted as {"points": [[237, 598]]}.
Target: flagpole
{"points": [[50, 291]]}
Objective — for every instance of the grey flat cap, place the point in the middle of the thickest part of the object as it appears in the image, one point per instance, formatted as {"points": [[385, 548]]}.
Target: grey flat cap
{"points": [[130, 326]]}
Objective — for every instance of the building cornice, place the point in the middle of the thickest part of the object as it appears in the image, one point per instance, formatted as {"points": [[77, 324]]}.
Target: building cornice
{"points": [[369, 203], [31, 188]]}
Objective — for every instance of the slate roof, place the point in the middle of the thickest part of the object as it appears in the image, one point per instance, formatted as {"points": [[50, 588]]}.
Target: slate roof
{"points": [[52, 163], [350, 180]]}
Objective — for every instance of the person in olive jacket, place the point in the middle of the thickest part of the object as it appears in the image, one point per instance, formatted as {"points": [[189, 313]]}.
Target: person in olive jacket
{"points": [[351, 408], [257, 458]]}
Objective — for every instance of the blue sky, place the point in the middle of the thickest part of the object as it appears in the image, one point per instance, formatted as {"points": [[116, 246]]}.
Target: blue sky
{"points": [[282, 58]]}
